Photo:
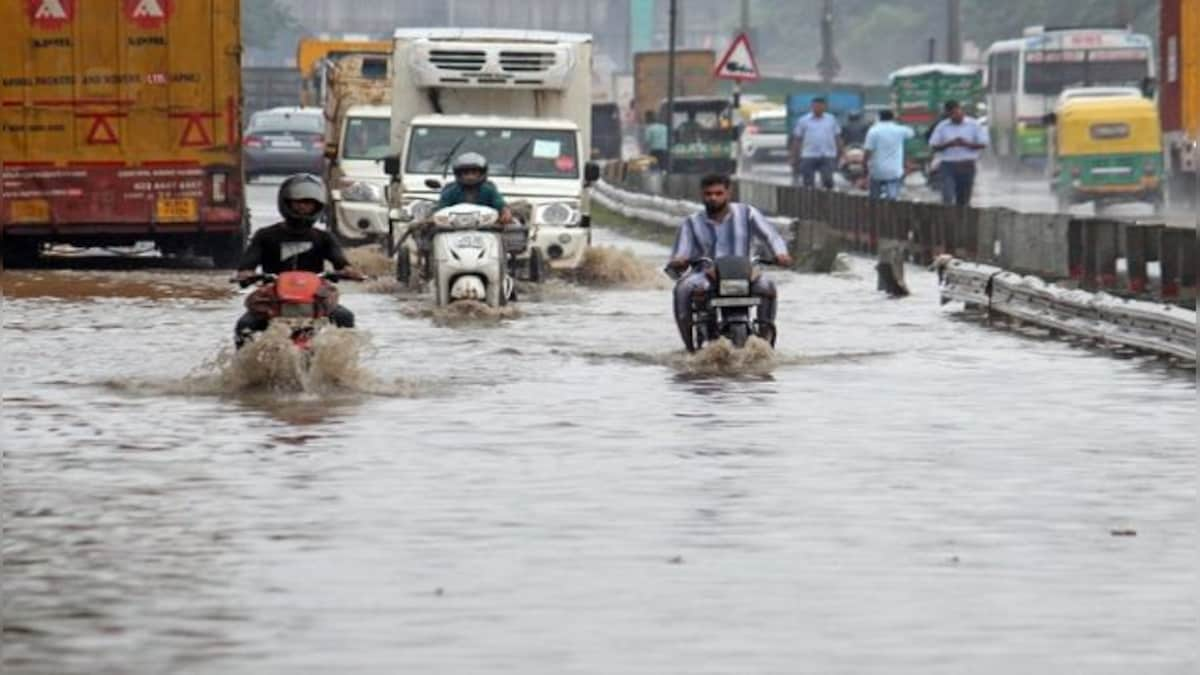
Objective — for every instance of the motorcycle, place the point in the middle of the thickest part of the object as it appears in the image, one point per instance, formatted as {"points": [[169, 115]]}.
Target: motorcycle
{"points": [[301, 300], [854, 167], [725, 312]]}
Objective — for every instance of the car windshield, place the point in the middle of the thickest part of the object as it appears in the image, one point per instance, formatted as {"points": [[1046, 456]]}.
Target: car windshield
{"points": [[280, 122], [367, 138], [771, 125], [537, 153]]}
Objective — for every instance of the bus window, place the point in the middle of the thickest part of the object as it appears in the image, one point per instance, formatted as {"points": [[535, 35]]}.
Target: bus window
{"points": [[1048, 73], [1002, 73], [1117, 67]]}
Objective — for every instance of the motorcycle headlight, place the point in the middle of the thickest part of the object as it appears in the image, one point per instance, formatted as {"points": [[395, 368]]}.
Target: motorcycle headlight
{"points": [[465, 220], [362, 192], [487, 218], [558, 214], [735, 287]]}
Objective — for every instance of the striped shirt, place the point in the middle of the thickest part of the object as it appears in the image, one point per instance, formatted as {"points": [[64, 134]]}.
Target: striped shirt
{"points": [[701, 237]]}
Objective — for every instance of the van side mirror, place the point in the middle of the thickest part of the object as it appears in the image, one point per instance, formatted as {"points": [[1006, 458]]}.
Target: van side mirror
{"points": [[391, 165], [433, 184], [330, 151], [591, 172], [1050, 119]]}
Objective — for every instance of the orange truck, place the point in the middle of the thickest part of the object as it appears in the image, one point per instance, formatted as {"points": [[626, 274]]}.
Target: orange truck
{"points": [[1179, 71], [120, 123]]}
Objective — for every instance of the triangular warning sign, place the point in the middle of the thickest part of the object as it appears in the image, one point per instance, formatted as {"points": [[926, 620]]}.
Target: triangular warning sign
{"points": [[738, 62], [194, 133], [50, 9], [148, 9], [101, 132]]}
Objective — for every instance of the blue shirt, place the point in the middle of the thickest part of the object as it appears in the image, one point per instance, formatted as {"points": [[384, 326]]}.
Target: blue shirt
{"points": [[885, 141], [818, 136], [701, 237], [968, 130]]}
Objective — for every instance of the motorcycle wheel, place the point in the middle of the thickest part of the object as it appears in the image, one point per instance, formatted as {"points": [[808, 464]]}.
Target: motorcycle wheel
{"points": [[739, 333]]}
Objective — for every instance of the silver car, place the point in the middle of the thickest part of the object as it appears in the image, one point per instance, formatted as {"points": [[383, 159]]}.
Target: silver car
{"points": [[765, 139], [283, 141]]}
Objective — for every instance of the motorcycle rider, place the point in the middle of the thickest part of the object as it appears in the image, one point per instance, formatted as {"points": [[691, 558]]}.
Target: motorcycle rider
{"points": [[471, 186], [723, 228], [294, 245]]}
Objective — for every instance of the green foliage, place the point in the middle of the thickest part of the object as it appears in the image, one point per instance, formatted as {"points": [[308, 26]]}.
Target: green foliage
{"points": [[264, 22]]}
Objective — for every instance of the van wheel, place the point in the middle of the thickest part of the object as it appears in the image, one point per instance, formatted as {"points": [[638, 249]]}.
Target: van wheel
{"points": [[403, 266], [19, 252], [537, 265], [227, 251]]}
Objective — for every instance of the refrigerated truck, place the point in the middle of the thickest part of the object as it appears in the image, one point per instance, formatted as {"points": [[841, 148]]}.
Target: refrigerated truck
{"points": [[120, 123]]}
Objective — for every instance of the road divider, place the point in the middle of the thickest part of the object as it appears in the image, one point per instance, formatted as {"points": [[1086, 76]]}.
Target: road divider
{"points": [[1152, 328]]}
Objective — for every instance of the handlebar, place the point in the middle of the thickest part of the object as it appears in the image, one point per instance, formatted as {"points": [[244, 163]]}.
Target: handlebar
{"points": [[265, 279]]}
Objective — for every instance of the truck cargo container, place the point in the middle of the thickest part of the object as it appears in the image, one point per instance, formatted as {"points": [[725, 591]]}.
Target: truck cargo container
{"points": [[120, 123]]}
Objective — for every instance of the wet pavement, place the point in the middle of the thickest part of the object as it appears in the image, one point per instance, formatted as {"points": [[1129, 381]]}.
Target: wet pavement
{"points": [[898, 490]]}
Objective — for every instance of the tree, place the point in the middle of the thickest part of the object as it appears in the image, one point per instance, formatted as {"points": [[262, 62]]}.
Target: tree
{"points": [[264, 22]]}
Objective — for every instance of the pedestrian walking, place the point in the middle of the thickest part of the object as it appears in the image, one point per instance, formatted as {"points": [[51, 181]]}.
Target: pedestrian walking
{"points": [[816, 145], [960, 140], [885, 156]]}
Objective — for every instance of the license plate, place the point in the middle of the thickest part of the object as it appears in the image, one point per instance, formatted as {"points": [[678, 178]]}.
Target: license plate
{"points": [[29, 211], [735, 302], [172, 209], [285, 144], [1112, 171], [302, 310]]}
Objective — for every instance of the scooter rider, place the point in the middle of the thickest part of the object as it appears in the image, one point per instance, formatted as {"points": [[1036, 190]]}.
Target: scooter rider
{"points": [[471, 186], [723, 228], [294, 245]]}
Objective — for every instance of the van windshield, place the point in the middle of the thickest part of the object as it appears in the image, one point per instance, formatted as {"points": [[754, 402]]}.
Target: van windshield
{"points": [[536, 153], [367, 138]]}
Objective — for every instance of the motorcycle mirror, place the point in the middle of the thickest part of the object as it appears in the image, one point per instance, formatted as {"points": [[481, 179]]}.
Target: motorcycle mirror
{"points": [[433, 184], [591, 172], [1050, 119], [330, 151], [391, 166]]}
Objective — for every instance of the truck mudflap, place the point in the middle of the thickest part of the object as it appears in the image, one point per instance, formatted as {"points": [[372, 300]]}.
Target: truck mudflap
{"points": [[101, 197]]}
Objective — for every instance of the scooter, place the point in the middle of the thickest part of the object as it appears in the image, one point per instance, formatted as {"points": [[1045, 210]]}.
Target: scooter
{"points": [[301, 300], [854, 167], [725, 312], [467, 256]]}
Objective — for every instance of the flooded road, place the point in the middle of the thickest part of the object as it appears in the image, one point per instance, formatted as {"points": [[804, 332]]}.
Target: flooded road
{"points": [[905, 491]]}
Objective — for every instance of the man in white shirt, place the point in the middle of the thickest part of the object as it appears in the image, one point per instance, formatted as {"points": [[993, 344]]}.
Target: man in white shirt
{"points": [[885, 156], [960, 140], [816, 145]]}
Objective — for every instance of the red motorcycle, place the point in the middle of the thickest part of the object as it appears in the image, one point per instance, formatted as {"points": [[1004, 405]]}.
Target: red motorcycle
{"points": [[303, 300]]}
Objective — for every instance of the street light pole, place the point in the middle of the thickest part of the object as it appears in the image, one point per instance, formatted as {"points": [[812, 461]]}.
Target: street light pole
{"points": [[670, 82], [828, 66], [954, 31]]}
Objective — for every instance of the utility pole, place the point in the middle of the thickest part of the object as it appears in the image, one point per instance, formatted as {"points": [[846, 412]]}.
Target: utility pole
{"points": [[828, 67], [451, 12], [954, 31], [1126, 14], [744, 17], [670, 82]]}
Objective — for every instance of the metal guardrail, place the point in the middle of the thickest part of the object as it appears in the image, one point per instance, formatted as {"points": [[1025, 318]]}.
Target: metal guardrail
{"points": [[653, 208], [1144, 326]]}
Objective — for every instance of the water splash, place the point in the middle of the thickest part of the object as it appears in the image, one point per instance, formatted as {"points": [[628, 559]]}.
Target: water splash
{"points": [[464, 313], [606, 266], [371, 261], [721, 358]]}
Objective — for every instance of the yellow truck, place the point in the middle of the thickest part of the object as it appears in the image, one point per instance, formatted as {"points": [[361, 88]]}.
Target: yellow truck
{"points": [[120, 123], [314, 55], [1179, 70]]}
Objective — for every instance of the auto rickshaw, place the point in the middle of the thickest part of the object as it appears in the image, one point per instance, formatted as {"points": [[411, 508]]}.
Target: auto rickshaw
{"points": [[704, 135], [1107, 151]]}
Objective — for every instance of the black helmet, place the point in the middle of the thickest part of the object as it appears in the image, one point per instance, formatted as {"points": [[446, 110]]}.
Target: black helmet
{"points": [[298, 187], [470, 160]]}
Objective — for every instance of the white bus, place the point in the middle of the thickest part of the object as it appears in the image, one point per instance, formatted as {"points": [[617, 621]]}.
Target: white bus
{"points": [[1025, 77]]}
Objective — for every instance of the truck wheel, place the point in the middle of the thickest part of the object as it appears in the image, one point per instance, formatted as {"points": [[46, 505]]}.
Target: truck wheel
{"points": [[19, 252], [537, 265], [227, 251]]}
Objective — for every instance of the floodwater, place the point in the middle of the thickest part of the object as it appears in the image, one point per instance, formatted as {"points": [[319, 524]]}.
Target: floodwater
{"points": [[897, 490]]}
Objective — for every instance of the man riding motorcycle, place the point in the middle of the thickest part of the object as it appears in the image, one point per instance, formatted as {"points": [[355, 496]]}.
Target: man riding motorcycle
{"points": [[294, 245], [723, 228], [471, 186]]}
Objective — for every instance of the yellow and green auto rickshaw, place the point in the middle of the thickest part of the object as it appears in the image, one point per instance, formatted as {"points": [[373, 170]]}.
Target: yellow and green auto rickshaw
{"points": [[1106, 150]]}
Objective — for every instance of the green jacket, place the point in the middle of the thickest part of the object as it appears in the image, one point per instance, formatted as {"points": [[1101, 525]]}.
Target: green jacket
{"points": [[485, 195]]}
